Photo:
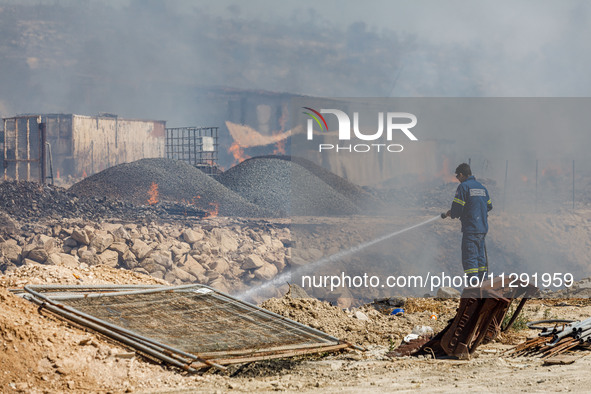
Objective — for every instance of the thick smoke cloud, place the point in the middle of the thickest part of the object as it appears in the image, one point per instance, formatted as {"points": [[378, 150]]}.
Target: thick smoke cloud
{"points": [[145, 59]]}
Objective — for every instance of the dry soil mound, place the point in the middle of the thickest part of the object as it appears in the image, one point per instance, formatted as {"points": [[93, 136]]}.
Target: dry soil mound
{"points": [[286, 188], [369, 328], [176, 181]]}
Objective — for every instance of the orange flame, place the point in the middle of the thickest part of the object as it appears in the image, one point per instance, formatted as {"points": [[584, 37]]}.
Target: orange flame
{"points": [[238, 153], [279, 148], [84, 174], [153, 193], [445, 173], [553, 171], [58, 174], [213, 212], [280, 145]]}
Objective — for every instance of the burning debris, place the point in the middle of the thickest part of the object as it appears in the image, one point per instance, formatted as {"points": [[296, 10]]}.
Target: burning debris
{"points": [[176, 182], [29, 201], [238, 153], [153, 193]]}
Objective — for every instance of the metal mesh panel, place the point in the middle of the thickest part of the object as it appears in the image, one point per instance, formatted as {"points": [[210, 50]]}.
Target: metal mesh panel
{"points": [[191, 326], [195, 322]]}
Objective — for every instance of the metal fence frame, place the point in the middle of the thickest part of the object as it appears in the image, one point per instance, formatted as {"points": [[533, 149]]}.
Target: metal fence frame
{"points": [[188, 144], [54, 298]]}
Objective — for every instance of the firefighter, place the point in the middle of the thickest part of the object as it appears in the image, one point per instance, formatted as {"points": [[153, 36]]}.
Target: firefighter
{"points": [[471, 204]]}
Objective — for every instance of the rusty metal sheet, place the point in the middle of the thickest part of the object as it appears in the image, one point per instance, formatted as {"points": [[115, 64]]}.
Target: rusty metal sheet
{"points": [[478, 320]]}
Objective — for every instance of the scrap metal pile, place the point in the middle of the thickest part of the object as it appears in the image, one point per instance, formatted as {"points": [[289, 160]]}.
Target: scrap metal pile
{"points": [[562, 337], [479, 319]]}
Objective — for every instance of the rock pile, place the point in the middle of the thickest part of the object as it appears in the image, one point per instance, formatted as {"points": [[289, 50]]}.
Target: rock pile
{"points": [[287, 188], [224, 254], [359, 196], [262, 186], [166, 181]]}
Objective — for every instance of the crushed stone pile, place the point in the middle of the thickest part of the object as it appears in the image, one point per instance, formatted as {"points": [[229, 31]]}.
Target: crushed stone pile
{"points": [[286, 188], [176, 181], [361, 198]]}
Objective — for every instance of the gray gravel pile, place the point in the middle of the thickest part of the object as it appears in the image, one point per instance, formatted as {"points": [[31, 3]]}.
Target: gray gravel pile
{"points": [[177, 181], [286, 188], [364, 200]]}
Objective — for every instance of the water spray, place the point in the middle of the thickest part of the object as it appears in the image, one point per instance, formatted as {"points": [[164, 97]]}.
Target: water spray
{"points": [[332, 258]]}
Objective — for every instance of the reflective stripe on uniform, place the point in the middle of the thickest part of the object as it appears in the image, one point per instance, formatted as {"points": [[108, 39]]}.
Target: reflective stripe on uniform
{"points": [[471, 271], [482, 269], [489, 202], [462, 203]]}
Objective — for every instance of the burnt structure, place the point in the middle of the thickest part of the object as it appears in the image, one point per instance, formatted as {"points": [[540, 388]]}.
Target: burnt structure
{"points": [[41, 146]]}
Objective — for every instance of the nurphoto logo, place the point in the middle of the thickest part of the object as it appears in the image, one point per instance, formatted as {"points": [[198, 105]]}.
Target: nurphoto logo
{"points": [[395, 122]]}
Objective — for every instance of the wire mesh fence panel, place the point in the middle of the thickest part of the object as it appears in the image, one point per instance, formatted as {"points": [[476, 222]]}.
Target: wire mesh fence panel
{"points": [[191, 319], [195, 323]]}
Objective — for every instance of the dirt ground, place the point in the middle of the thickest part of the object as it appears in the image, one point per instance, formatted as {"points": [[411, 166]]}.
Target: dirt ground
{"points": [[41, 354]]}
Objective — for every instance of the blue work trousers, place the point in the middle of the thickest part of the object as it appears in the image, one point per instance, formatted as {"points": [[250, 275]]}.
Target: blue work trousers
{"points": [[474, 258]]}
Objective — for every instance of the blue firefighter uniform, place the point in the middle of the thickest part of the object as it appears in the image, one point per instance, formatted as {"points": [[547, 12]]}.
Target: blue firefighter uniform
{"points": [[471, 204]]}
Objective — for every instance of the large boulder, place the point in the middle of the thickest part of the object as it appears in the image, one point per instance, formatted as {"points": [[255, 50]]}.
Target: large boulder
{"points": [[225, 239], [38, 254], [266, 272], [101, 241], [180, 274], [119, 247], [68, 260], [88, 256], [193, 267], [11, 251], [109, 258], [253, 261], [162, 257], [191, 235], [121, 234], [8, 224], [140, 249], [220, 265], [80, 236], [45, 242]]}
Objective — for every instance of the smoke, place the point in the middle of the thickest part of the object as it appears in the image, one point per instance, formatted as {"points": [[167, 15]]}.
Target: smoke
{"points": [[145, 59], [148, 59]]}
